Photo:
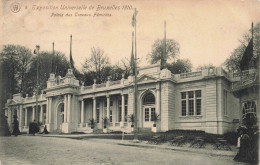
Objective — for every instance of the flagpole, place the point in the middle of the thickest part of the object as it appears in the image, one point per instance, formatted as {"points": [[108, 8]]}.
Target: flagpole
{"points": [[135, 87], [37, 77], [70, 51], [52, 58], [164, 50]]}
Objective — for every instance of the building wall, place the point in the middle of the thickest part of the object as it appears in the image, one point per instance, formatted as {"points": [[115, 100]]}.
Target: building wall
{"points": [[190, 122]]}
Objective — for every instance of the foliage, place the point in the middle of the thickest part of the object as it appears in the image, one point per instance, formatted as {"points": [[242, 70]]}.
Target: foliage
{"points": [[205, 66], [4, 128], [14, 62], [172, 50], [131, 118], [44, 62], [232, 63], [180, 66], [97, 62]]}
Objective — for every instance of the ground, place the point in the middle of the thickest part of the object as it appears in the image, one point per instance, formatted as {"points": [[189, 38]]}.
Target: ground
{"points": [[56, 150]]}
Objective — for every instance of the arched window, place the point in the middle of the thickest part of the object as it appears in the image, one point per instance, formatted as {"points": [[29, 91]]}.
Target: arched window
{"points": [[249, 113], [149, 99]]}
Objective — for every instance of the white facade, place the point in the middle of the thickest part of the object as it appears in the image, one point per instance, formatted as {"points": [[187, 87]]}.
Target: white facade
{"points": [[200, 100]]}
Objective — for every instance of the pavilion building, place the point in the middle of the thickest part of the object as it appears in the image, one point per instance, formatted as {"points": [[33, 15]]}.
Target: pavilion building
{"points": [[207, 100]]}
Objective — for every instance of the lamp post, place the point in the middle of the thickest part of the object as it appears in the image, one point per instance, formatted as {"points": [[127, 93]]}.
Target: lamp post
{"points": [[37, 51]]}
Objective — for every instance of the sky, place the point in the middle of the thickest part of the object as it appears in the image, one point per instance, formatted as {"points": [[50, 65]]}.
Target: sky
{"points": [[207, 30]]}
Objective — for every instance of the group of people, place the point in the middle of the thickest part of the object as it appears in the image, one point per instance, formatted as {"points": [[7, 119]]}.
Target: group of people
{"points": [[248, 142], [33, 128]]}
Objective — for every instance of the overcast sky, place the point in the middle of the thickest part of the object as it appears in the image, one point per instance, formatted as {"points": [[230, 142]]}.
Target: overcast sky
{"points": [[207, 30]]}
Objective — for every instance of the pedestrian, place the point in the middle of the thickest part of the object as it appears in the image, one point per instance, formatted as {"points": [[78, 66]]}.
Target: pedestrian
{"points": [[244, 154], [255, 146], [16, 130], [45, 131]]}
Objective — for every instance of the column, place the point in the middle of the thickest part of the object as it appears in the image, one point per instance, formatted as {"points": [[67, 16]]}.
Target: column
{"points": [[33, 113], [158, 102], [25, 116], [94, 108], [41, 114], [65, 108], [20, 116], [68, 109], [49, 115], [123, 108], [108, 108], [82, 111], [47, 111]]}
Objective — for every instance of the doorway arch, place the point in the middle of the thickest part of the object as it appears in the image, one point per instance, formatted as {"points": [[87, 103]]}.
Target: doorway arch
{"points": [[148, 102], [249, 116]]}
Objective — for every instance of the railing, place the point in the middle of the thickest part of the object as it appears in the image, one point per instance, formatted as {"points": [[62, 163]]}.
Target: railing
{"points": [[114, 82], [88, 87], [246, 77], [191, 74], [100, 85], [117, 124]]}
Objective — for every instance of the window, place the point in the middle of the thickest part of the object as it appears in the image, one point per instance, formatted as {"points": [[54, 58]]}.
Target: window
{"points": [[225, 101], [146, 114], [126, 104], [110, 115], [111, 112], [152, 114], [120, 111], [191, 103], [198, 102], [183, 104], [98, 112], [149, 99], [249, 113]]}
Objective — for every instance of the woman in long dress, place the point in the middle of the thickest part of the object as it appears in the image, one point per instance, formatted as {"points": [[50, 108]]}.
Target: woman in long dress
{"points": [[243, 154], [16, 130]]}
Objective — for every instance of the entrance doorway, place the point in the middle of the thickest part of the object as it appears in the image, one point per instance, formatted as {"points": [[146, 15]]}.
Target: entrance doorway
{"points": [[60, 116], [148, 110]]}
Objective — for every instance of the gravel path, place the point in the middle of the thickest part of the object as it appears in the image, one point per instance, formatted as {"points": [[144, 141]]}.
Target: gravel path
{"points": [[52, 150]]}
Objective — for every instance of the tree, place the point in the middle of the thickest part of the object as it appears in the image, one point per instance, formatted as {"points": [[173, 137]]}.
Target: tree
{"points": [[205, 66], [97, 62], [233, 62], [45, 60], [15, 62], [180, 66], [172, 50]]}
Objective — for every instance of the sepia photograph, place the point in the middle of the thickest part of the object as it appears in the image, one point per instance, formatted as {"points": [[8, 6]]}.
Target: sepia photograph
{"points": [[129, 82]]}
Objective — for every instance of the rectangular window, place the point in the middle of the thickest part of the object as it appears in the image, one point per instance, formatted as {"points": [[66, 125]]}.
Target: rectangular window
{"points": [[191, 107], [120, 114], [126, 109], [146, 114], [98, 112], [110, 115], [225, 101], [152, 114], [191, 103], [183, 107], [198, 106]]}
